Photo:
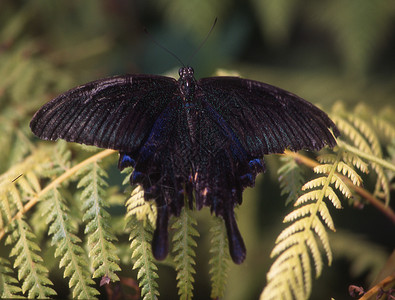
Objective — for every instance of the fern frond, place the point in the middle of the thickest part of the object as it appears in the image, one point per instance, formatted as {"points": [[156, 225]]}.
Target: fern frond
{"points": [[369, 134], [290, 177], [60, 160], [29, 263], [143, 210], [352, 133], [141, 236], [366, 140], [352, 159], [72, 255], [183, 244], [220, 259], [327, 158], [312, 195], [384, 123], [100, 236], [8, 284], [290, 275]]}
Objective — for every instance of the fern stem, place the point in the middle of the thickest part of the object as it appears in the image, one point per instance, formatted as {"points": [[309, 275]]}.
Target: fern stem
{"points": [[56, 182], [386, 210], [367, 156]]}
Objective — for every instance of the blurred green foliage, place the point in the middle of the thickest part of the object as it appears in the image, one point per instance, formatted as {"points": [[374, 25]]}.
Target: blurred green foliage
{"points": [[321, 50]]}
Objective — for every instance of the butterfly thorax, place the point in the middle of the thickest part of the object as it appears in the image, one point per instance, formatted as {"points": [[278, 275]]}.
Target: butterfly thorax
{"points": [[187, 83]]}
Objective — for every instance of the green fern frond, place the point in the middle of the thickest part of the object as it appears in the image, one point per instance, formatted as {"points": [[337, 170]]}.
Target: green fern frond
{"points": [[8, 284], [72, 255], [60, 160], [220, 259], [290, 177], [143, 260], [183, 244], [29, 263], [100, 236]]}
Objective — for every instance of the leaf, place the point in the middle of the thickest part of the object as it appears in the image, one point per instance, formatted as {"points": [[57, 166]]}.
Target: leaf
{"points": [[220, 259], [143, 260], [73, 257], [183, 248], [102, 250], [31, 271]]}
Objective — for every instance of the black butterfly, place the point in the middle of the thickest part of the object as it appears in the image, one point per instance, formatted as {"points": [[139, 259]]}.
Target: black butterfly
{"points": [[204, 139]]}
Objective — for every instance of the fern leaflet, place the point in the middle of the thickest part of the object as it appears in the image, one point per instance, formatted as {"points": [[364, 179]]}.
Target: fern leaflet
{"points": [[141, 236], [183, 244], [8, 284], [72, 255], [290, 177], [220, 259], [29, 263], [100, 236]]}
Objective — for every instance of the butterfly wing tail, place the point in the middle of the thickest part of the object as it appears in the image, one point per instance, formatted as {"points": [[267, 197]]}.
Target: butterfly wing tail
{"points": [[237, 248], [160, 241]]}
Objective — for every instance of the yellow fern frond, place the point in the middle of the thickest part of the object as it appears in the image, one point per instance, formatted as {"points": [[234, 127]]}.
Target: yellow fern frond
{"points": [[143, 210], [368, 133], [320, 181], [384, 127], [346, 170], [323, 169], [315, 252], [299, 212], [352, 133], [333, 197], [351, 158], [325, 215], [312, 195], [341, 186], [327, 158], [295, 227], [319, 229]]}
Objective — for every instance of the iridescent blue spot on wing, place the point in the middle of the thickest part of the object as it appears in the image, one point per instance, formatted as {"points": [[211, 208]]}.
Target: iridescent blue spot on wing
{"points": [[125, 160]]}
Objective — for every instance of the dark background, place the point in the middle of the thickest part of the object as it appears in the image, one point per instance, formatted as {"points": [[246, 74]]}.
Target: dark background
{"points": [[323, 51]]}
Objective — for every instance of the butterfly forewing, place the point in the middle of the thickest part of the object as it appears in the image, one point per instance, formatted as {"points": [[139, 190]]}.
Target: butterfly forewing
{"points": [[116, 113], [267, 119]]}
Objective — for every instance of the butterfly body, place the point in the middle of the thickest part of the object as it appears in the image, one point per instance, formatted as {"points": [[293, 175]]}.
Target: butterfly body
{"points": [[204, 139]]}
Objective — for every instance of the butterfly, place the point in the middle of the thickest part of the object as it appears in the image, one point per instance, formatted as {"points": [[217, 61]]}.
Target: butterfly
{"points": [[201, 139]]}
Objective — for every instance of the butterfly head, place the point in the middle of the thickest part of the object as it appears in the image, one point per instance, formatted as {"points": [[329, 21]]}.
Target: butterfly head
{"points": [[187, 82]]}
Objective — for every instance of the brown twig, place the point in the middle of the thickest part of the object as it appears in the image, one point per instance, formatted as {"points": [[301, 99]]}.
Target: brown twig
{"points": [[374, 290]]}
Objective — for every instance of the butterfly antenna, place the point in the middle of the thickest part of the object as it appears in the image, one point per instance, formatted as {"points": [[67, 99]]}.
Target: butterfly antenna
{"points": [[204, 41], [163, 47]]}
